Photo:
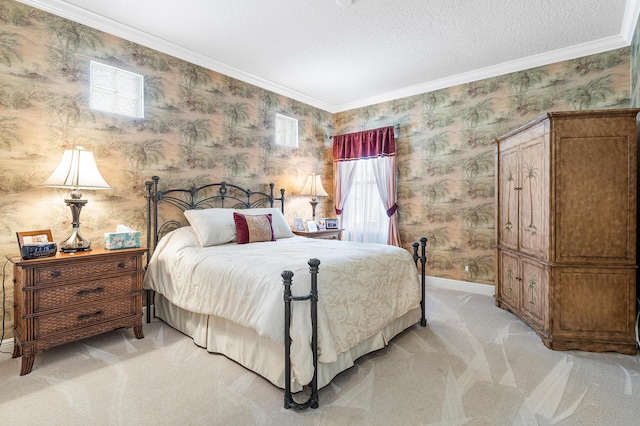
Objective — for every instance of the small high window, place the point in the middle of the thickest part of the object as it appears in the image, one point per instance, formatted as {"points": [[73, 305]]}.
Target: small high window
{"points": [[116, 90], [286, 131]]}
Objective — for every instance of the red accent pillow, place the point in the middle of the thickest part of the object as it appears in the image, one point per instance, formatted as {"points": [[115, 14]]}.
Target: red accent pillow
{"points": [[253, 228]]}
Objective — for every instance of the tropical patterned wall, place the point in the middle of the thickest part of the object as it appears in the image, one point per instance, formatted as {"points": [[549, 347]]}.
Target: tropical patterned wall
{"points": [[635, 67], [446, 150], [201, 126]]}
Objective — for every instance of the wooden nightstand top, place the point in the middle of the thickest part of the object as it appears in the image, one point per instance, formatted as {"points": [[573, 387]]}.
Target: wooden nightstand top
{"points": [[95, 252], [323, 234]]}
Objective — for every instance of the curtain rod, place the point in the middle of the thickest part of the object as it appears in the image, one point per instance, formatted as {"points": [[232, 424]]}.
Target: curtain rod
{"points": [[396, 126]]}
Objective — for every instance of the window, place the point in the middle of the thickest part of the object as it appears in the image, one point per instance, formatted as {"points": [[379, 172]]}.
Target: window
{"points": [[116, 90], [364, 217], [364, 161], [286, 131]]}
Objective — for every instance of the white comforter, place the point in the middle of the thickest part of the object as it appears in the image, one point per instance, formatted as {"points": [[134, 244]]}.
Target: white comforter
{"points": [[361, 288]]}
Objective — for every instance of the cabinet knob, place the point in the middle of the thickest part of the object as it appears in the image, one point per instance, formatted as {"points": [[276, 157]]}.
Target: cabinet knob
{"points": [[121, 265], [56, 274]]}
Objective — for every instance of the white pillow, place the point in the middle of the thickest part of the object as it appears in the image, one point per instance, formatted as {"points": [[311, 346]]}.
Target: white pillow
{"points": [[212, 226], [281, 228]]}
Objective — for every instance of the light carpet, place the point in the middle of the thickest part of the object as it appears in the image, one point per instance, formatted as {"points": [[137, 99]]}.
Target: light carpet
{"points": [[474, 364]]}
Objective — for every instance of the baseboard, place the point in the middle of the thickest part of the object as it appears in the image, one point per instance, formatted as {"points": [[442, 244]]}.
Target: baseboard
{"points": [[7, 345], [463, 286]]}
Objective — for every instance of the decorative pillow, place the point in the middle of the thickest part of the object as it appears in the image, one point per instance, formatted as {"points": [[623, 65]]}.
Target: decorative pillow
{"points": [[212, 226], [253, 228], [281, 228]]}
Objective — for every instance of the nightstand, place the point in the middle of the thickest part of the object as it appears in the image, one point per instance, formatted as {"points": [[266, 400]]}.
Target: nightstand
{"points": [[68, 297], [323, 234]]}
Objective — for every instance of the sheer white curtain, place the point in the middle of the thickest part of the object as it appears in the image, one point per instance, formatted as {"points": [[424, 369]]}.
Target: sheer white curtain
{"points": [[364, 217], [365, 185]]}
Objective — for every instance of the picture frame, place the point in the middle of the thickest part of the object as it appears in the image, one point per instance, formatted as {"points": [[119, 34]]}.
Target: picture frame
{"points": [[312, 226], [331, 223], [34, 237], [298, 223], [321, 223]]}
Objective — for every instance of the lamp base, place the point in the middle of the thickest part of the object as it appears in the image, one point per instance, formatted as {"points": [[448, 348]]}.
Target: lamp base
{"points": [[75, 242], [313, 203]]}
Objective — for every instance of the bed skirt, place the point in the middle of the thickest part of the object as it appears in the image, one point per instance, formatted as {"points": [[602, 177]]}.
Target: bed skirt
{"points": [[261, 355]]}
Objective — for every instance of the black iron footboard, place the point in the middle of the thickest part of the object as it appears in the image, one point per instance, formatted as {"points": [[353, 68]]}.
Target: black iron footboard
{"points": [[287, 277], [423, 263], [313, 297]]}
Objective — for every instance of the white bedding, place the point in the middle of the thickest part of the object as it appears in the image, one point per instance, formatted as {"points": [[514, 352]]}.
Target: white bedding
{"points": [[361, 288]]}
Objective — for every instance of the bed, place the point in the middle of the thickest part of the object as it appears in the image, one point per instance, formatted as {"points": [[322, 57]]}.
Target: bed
{"points": [[226, 270]]}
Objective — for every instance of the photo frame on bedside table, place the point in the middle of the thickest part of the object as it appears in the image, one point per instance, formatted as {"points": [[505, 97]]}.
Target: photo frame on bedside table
{"points": [[34, 237], [34, 244], [298, 223], [331, 223]]}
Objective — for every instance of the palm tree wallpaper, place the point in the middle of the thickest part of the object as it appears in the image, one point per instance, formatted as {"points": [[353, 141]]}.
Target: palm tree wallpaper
{"points": [[201, 126], [446, 150], [635, 67]]}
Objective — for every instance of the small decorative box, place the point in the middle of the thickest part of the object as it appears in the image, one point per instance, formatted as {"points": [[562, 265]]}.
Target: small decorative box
{"points": [[123, 238]]}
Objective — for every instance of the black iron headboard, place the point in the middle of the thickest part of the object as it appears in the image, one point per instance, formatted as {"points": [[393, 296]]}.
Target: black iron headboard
{"points": [[222, 195]]}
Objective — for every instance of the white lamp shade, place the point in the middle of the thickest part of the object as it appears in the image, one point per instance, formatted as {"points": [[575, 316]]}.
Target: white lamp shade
{"points": [[313, 187], [77, 170]]}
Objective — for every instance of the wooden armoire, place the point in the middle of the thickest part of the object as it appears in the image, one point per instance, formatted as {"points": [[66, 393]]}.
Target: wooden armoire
{"points": [[566, 187]]}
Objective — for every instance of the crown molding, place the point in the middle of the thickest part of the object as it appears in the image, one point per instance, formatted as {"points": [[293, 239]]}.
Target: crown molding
{"points": [[83, 16], [93, 20], [630, 19], [534, 61]]}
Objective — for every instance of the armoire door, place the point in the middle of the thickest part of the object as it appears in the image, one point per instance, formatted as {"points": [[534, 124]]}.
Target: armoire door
{"points": [[510, 281], [535, 289], [534, 197], [508, 199]]}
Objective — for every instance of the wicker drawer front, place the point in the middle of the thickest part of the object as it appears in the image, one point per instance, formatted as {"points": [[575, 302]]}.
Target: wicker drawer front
{"points": [[83, 292], [83, 316], [75, 270]]}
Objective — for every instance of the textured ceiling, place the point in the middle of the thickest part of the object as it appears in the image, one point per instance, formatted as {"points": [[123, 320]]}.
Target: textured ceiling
{"points": [[338, 58]]}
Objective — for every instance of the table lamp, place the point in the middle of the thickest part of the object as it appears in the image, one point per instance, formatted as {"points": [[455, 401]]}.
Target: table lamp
{"points": [[77, 170], [314, 188]]}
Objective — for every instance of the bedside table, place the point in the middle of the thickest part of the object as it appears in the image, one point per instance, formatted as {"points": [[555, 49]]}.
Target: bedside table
{"points": [[68, 297], [323, 234]]}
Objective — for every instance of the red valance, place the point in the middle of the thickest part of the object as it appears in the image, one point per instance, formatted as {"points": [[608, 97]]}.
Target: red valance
{"points": [[367, 144]]}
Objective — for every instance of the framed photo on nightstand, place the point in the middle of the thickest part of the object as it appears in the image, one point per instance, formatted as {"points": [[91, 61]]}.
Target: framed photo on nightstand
{"points": [[298, 223], [331, 223], [33, 244], [34, 237]]}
